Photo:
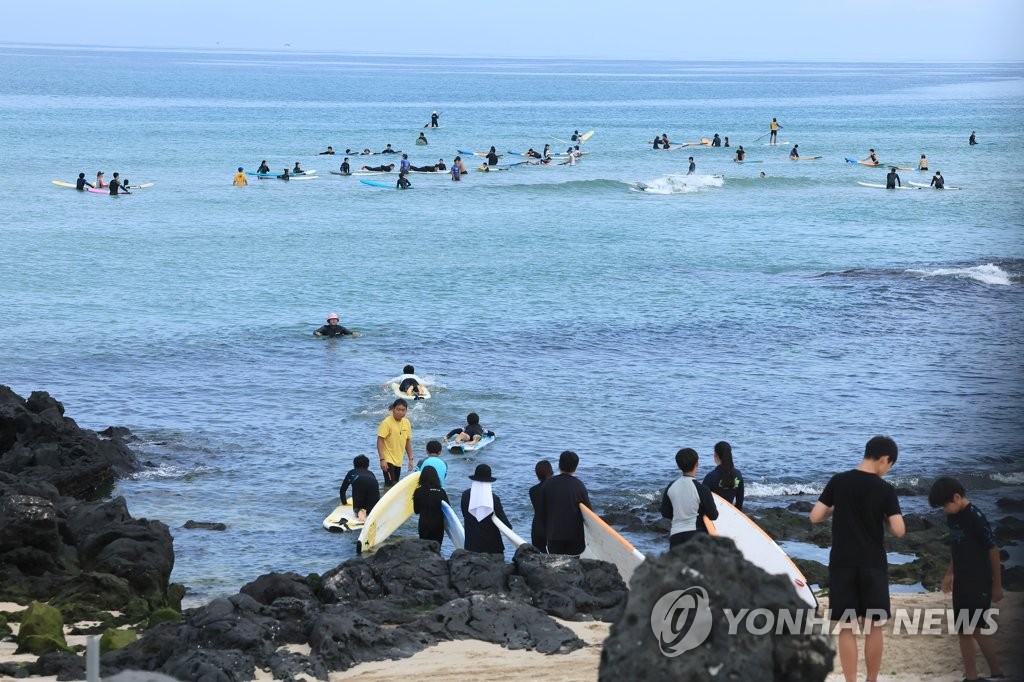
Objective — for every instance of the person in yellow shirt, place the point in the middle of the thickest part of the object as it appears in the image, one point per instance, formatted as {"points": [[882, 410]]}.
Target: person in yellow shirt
{"points": [[240, 179], [773, 135], [394, 436]]}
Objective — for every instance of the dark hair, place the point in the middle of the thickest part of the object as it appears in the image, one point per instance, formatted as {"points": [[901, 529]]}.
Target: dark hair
{"points": [[686, 459], [472, 418], [881, 446], [360, 462], [568, 461], [429, 478], [434, 447], [399, 402], [727, 471], [408, 369], [543, 470], [943, 490]]}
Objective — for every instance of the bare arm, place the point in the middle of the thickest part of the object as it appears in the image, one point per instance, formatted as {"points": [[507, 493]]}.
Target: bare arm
{"points": [[408, 451], [896, 525], [821, 513], [380, 451]]}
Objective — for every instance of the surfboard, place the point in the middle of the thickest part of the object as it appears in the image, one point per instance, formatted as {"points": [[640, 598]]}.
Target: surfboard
{"points": [[603, 542], [395, 385], [340, 173], [453, 527], [758, 547], [804, 158], [371, 173], [463, 151], [343, 519], [144, 185], [106, 190], [922, 185], [388, 514], [749, 161], [509, 534], [272, 176], [877, 185], [61, 183], [373, 183], [586, 136], [463, 448]]}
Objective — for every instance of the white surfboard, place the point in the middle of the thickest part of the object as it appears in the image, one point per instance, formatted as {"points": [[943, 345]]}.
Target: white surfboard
{"points": [[509, 534], [462, 448], [388, 514], [924, 186], [878, 185], [396, 382], [343, 519], [758, 547], [604, 542], [453, 527]]}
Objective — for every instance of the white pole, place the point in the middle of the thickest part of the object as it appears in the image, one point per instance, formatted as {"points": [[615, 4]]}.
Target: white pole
{"points": [[92, 659]]}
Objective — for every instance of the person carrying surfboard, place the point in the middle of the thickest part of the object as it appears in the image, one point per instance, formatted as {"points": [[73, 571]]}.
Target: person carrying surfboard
{"points": [[409, 384], [394, 438], [558, 510], [537, 531], [328, 152], [860, 505], [686, 500], [365, 489], [426, 501], [478, 504]]}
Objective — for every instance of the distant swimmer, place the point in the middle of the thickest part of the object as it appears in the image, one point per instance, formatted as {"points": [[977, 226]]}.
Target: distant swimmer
{"points": [[938, 182], [99, 179], [923, 163], [298, 169], [716, 141], [332, 328], [381, 168], [440, 165], [693, 167], [892, 180], [115, 186], [492, 156], [81, 183], [741, 154], [871, 158], [366, 152], [972, 140], [240, 180], [422, 140], [794, 153], [345, 168], [433, 120], [264, 168], [329, 152], [404, 165], [773, 135], [389, 150], [726, 142], [403, 182], [762, 176]]}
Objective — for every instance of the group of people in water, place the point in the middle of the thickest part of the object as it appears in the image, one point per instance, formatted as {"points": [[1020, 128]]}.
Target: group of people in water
{"points": [[116, 186]]}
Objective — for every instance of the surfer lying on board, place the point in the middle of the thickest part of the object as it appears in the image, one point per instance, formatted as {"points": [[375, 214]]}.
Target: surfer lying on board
{"points": [[81, 183], [871, 158], [408, 383], [532, 154], [365, 489], [685, 500], [332, 328], [380, 169], [329, 152], [472, 432]]}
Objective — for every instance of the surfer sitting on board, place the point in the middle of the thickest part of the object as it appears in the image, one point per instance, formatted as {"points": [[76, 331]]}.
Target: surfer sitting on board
{"points": [[426, 501], [478, 504], [408, 383], [872, 158], [472, 432], [365, 489], [685, 500], [99, 179], [794, 153], [345, 168], [380, 169], [725, 480], [332, 328]]}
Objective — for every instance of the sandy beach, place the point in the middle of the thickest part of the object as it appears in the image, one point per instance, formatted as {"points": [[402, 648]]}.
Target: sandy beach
{"points": [[907, 658]]}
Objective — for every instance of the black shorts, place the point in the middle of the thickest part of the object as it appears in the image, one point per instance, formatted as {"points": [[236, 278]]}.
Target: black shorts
{"points": [[969, 607], [856, 590]]}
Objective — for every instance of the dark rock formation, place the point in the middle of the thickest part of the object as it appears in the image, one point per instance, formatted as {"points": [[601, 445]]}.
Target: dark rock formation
{"points": [[633, 652], [204, 525]]}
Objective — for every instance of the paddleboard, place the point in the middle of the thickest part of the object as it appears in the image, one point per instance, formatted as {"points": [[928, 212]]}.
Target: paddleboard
{"points": [[388, 514], [373, 183], [343, 519], [876, 185], [463, 448], [453, 527], [399, 394], [604, 543], [439, 172], [758, 547], [922, 185], [509, 534]]}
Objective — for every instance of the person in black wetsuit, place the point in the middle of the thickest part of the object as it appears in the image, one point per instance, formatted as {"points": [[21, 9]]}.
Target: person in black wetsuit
{"points": [[575, 136], [794, 153], [285, 175], [298, 169], [329, 152], [380, 169], [332, 328], [264, 168], [426, 501], [345, 168], [441, 166], [716, 141], [472, 432], [692, 168], [478, 504], [938, 182], [492, 157], [81, 183], [726, 142], [365, 489], [532, 154], [115, 186], [725, 480], [657, 142], [741, 154], [424, 169], [408, 384], [559, 509], [403, 182], [433, 120], [892, 180], [972, 140], [389, 150], [537, 530]]}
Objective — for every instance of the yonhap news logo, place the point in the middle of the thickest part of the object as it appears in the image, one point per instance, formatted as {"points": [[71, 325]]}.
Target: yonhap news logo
{"points": [[681, 620]]}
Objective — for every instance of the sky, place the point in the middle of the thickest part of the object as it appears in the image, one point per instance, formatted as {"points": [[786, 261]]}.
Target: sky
{"points": [[844, 30]]}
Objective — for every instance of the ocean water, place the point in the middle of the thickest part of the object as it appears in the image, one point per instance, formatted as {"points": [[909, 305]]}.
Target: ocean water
{"points": [[794, 316]]}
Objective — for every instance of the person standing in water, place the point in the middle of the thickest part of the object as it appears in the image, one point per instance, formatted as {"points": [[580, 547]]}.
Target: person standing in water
{"points": [[972, 140], [923, 163], [100, 182], [892, 179], [741, 154], [240, 180], [115, 186], [773, 133], [693, 167], [394, 438], [725, 480], [332, 328]]}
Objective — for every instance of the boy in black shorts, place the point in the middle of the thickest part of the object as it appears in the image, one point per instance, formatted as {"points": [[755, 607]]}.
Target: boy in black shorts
{"points": [[974, 575], [860, 503]]}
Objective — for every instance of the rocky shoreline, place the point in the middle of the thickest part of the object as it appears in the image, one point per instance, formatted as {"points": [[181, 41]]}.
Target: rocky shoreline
{"points": [[76, 556]]}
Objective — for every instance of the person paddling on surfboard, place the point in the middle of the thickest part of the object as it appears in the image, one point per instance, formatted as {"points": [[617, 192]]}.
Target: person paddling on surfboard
{"points": [[441, 166], [408, 383], [365, 489], [389, 150], [685, 501], [478, 504], [81, 183], [559, 507], [328, 152], [394, 438], [492, 156], [472, 432], [426, 501]]}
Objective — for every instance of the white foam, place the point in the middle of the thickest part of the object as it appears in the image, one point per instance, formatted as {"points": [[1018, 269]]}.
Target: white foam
{"points": [[678, 184], [989, 273], [1012, 478], [756, 489]]}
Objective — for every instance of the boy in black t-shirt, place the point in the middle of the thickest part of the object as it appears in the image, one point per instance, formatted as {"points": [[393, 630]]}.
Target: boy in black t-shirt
{"points": [[974, 575], [860, 503]]}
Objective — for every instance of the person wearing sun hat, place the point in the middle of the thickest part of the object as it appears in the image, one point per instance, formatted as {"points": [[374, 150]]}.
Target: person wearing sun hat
{"points": [[332, 328], [478, 504]]}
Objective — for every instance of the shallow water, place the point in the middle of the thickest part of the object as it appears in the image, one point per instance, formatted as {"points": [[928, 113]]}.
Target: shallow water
{"points": [[794, 316]]}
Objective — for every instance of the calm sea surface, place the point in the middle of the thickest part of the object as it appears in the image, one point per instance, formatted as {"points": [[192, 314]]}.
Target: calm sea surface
{"points": [[794, 316]]}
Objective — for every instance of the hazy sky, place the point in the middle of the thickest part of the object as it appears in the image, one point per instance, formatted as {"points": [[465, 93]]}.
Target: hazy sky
{"points": [[867, 30]]}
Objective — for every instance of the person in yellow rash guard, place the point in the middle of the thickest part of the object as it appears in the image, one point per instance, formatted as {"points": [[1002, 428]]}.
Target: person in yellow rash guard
{"points": [[240, 179], [394, 438]]}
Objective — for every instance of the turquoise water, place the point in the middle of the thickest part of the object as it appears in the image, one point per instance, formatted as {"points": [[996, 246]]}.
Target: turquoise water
{"points": [[794, 316]]}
